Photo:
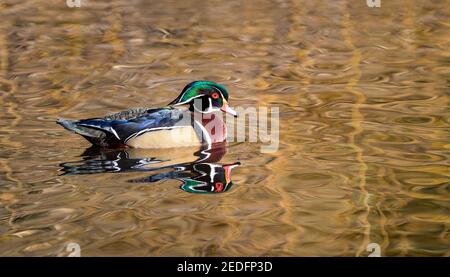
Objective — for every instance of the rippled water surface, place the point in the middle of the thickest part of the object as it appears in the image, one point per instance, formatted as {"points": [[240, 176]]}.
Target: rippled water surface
{"points": [[364, 127]]}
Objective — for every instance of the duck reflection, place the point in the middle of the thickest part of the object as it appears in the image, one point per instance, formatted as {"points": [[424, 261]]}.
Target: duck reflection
{"points": [[198, 171]]}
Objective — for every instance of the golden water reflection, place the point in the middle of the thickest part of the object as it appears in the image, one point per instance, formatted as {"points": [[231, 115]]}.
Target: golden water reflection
{"points": [[364, 138]]}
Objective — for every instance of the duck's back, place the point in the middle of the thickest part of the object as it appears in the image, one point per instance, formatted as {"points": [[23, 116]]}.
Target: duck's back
{"points": [[117, 129]]}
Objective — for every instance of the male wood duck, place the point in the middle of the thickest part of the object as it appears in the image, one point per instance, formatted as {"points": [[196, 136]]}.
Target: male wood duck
{"points": [[189, 120]]}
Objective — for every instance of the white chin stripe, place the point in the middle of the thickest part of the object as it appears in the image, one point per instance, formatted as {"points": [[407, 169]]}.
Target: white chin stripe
{"points": [[205, 133]]}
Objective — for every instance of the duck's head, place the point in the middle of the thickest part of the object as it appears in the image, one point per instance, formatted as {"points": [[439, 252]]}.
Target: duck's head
{"points": [[204, 97]]}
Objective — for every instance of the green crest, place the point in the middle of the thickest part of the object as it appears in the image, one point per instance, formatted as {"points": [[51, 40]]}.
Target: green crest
{"points": [[199, 88]]}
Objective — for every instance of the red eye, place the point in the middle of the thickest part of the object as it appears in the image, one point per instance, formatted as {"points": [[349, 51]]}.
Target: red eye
{"points": [[219, 187], [215, 95]]}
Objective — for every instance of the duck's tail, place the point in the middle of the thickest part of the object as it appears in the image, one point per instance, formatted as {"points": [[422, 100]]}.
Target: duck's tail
{"points": [[93, 135], [72, 126]]}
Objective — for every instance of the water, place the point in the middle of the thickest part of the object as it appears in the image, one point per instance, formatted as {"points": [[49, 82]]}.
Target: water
{"points": [[364, 135]]}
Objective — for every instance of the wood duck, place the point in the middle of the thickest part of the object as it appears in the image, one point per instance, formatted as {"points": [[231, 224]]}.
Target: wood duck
{"points": [[198, 173], [189, 120]]}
